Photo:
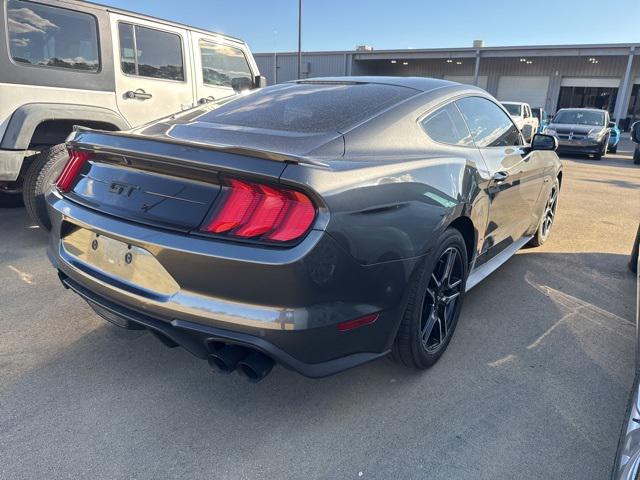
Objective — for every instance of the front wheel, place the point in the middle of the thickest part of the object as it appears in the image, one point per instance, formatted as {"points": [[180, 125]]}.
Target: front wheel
{"points": [[39, 179], [434, 303], [548, 217]]}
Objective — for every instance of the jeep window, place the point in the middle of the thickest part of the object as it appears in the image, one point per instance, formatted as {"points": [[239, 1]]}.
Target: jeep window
{"points": [[577, 117], [52, 37], [222, 63], [146, 52]]}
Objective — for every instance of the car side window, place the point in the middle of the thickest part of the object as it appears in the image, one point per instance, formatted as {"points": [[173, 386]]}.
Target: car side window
{"points": [[222, 63], [47, 36], [446, 125], [490, 126], [146, 52]]}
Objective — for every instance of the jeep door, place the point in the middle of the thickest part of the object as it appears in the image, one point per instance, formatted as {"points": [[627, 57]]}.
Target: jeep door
{"points": [[516, 176], [153, 69], [219, 62]]}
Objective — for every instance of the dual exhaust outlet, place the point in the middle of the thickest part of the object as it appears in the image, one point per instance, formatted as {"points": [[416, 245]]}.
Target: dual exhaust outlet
{"points": [[252, 364]]}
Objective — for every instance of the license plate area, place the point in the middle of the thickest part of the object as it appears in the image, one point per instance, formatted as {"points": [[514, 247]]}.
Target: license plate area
{"points": [[124, 262]]}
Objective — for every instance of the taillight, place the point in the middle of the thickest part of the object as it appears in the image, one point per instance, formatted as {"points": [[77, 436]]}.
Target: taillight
{"points": [[77, 159], [257, 211]]}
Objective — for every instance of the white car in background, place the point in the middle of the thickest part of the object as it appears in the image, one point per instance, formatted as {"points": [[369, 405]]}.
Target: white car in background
{"points": [[523, 118]]}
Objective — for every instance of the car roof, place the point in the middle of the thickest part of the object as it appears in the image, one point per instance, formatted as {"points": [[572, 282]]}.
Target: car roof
{"points": [[422, 84]]}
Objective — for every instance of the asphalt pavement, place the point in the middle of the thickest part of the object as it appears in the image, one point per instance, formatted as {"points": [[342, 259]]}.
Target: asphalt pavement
{"points": [[533, 385]]}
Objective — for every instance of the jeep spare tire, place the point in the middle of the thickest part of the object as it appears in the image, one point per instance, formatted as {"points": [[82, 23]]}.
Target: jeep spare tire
{"points": [[39, 179]]}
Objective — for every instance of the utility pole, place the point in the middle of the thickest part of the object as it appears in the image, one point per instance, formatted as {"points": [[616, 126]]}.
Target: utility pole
{"points": [[299, 39]]}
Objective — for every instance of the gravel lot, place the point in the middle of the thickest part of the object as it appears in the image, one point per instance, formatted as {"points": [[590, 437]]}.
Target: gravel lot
{"points": [[534, 384]]}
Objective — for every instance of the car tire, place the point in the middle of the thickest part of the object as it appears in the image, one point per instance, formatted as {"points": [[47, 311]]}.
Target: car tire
{"points": [[547, 218], [39, 178], [613, 149], [636, 156], [422, 336]]}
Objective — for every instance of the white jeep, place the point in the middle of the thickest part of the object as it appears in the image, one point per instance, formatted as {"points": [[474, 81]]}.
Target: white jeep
{"points": [[523, 118], [67, 62]]}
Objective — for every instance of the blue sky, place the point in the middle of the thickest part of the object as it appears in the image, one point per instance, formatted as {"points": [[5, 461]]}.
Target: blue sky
{"points": [[271, 25]]}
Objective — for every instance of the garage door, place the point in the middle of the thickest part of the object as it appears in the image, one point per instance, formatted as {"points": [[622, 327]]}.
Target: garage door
{"points": [[467, 80], [532, 90]]}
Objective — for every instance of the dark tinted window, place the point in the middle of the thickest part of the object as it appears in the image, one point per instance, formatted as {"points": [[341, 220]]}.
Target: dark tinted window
{"points": [[489, 124], [150, 53], [446, 125], [52, 37], [222, 63], [309, 106], [513, 109], [127, 50]]}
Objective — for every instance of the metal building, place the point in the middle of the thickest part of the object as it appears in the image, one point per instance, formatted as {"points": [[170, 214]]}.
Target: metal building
{"points": [[602, 76]]}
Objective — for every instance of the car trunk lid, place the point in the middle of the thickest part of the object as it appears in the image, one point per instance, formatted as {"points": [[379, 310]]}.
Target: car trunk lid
{"points": [[167, 181]]}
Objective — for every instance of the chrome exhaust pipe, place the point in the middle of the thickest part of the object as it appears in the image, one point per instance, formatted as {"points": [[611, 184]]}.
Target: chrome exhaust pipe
{"points": [[255, 366], [225, 360]]}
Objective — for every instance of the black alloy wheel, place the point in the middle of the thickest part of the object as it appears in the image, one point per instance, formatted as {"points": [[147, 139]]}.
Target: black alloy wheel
{"points": [[434, 301], [440, 302], [548, 216]]}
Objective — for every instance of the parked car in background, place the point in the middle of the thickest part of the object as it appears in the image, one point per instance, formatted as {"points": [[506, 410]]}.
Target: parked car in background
{"points": [[523, 117], [67, 62], [542, 116], [583, 131], [319, 223], [614, 138]]}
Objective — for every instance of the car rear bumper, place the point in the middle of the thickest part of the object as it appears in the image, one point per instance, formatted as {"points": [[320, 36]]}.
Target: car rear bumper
{"points": [[289, 309]]}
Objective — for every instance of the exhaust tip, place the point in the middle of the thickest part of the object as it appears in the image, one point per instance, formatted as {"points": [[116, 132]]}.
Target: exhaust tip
{"points": [[225, 360], [255, 366]]}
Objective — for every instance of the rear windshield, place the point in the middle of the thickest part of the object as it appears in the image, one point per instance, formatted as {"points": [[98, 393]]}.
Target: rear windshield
{"points": [[579, 117], [311, 107]]}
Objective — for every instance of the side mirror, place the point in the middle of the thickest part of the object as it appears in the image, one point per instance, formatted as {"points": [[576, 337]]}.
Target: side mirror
{"points": [[259, 81], [635, 132], [240, 84], [544, 142], [612, 124]]}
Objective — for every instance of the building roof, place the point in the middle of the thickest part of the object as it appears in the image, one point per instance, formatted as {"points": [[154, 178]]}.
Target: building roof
{"points": [[498, 51]]}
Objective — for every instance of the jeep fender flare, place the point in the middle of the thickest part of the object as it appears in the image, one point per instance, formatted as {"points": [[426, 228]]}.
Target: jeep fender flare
{"points": [[26, 119]]}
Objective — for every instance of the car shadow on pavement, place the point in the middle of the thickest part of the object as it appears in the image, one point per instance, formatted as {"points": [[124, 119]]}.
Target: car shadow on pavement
{"points": [[539, 369]]}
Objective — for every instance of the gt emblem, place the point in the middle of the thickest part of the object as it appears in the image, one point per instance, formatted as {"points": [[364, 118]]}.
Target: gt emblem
{"points": [[119, 188]]}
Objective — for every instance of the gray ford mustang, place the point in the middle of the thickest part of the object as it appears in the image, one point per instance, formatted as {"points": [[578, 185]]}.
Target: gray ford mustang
{"points": [[319, 224]]}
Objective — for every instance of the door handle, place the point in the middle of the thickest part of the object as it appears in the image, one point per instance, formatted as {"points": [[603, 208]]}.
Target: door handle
{"points": [[500, 176], [138, 94]]}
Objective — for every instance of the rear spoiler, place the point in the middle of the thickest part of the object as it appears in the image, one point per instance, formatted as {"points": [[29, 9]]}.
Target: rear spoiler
{"points": [[148, 146]]}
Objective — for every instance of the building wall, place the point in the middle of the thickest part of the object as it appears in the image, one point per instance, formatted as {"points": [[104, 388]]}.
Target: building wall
{"points": [[314, 65], [283, 67]]}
